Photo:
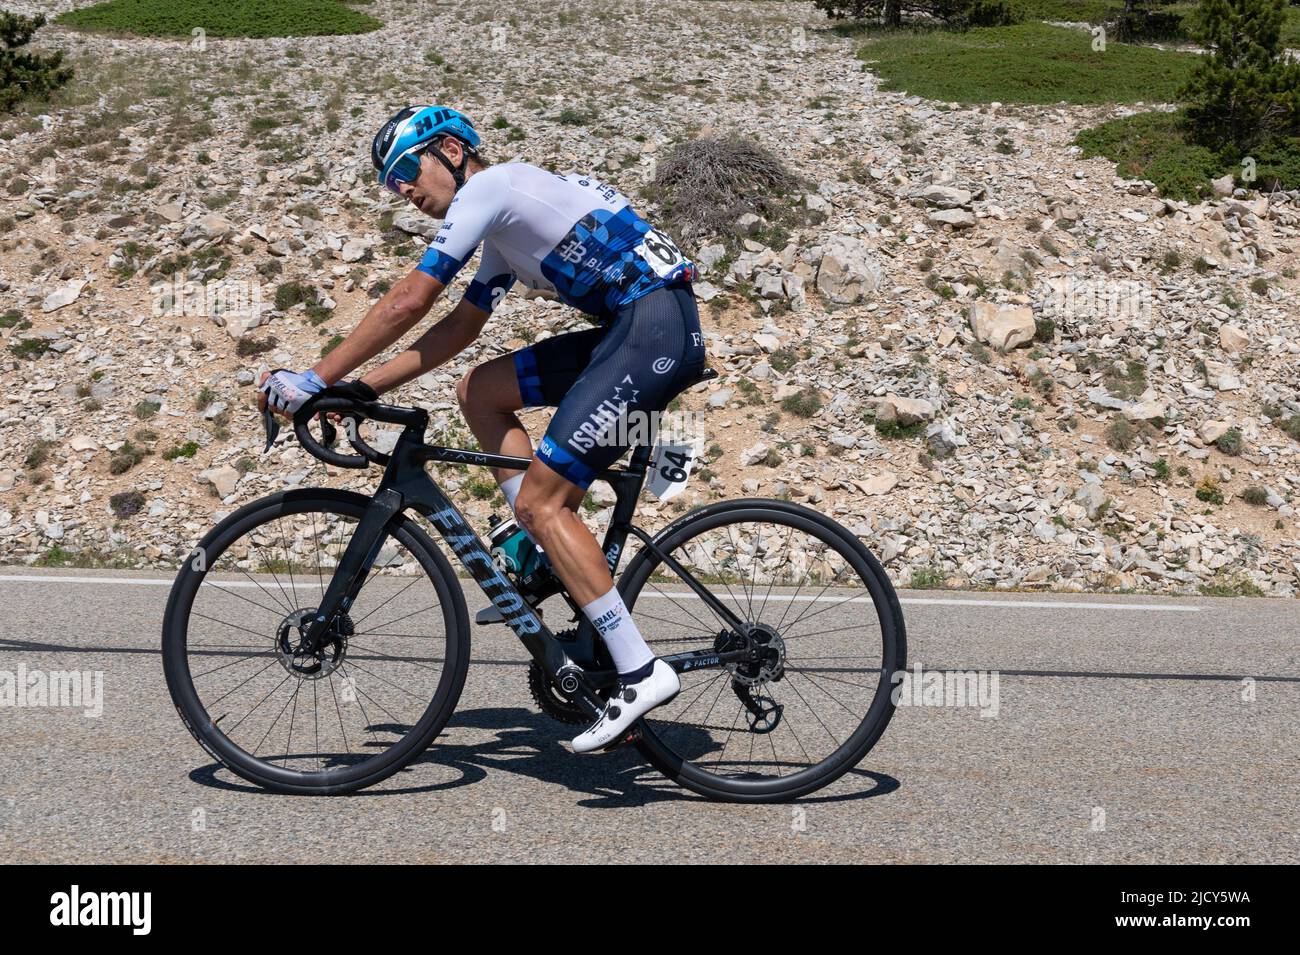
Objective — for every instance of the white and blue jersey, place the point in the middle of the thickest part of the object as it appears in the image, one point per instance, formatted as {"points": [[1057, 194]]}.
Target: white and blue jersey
{"points": [[573, 235]]}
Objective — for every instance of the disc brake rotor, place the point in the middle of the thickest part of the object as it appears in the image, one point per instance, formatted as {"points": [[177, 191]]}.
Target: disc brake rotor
{"points": [[767, 654], [306, 664]]}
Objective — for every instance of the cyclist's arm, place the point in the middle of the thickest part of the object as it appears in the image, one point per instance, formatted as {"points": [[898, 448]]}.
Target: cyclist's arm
{"points": [[387, 321], [475, 213], [455, 332], [439, 344]]}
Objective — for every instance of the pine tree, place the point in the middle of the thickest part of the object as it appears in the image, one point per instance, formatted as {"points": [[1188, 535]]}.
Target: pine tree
{"points": [[1245, 93], [24, 74]]}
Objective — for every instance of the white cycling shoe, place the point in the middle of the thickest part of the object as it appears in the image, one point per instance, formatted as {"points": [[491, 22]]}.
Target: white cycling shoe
{"points": [[627, 705]]}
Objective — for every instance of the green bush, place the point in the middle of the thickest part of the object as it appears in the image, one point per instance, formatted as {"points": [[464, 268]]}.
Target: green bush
{"points": [[893, 431], [1255, 495], [127, 504], [979, 13], [992, 13], [1140, 22], [1227, 584], [927, 578], [1207, 490], [125, 458], [1277, 164], [186, 450], [1121, 435], [38, 453], [1155, 146], [248, 347], [804, 404], [289, 294], [229, 18], [26, 75], [29, 347], [1229, 442]]}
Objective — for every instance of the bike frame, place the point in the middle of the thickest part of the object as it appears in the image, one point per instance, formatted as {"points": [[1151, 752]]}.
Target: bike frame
{"points": [[406, 484]]}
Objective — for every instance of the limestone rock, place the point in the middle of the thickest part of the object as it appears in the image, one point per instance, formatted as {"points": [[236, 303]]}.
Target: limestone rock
{"points": [[848, 272], [63, 296], [1002, 328], [1232, 339]]}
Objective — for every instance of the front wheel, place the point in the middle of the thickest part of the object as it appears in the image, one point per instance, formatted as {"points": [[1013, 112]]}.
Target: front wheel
{"points": [[823, 632], [337, 717]]}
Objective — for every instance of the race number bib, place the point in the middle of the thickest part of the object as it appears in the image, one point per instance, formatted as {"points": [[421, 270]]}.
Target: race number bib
{"points": [[660, 253], [670, 467]]}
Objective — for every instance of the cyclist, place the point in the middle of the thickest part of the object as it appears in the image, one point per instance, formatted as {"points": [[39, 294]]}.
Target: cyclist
{"points": [[577, 237]]}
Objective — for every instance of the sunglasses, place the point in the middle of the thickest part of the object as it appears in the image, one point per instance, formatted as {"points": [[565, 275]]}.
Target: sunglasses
{"points": [[406, 169]]}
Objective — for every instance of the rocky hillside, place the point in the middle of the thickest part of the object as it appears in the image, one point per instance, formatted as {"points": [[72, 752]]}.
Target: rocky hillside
{"points": [[998, 363]]}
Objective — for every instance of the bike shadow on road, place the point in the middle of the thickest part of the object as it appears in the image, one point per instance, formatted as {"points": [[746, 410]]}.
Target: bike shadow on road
{"points": [[529, 744]]}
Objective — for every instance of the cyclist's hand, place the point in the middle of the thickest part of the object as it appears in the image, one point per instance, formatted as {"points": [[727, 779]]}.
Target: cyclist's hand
{"points": [[284, 391], [357, 390]]}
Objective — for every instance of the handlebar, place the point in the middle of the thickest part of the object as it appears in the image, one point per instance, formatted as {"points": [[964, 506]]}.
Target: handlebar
{"points": [[355, 411]]}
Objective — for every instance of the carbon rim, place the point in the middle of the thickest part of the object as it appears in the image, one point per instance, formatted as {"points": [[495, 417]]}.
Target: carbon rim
{"points": [[358, 709], [811, 592]]}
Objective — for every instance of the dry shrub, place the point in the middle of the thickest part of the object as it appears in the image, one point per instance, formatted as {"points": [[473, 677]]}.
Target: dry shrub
{"points": [[704, 185]]}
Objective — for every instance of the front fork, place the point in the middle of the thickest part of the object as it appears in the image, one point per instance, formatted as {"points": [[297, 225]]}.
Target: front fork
{"points": [[353, 568]]}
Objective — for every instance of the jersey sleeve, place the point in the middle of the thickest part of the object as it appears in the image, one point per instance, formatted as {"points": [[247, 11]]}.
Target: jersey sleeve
{"points": [[491, 282], [475, 213]]}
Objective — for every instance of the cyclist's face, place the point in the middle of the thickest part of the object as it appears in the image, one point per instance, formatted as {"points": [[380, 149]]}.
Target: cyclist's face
{"points": [[433, 190]]}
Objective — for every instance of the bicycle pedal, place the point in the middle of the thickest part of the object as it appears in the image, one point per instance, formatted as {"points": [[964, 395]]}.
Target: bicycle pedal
{"points": [[631, 736]]}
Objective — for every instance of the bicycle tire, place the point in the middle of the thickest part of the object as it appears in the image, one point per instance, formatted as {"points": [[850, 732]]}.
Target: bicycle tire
{"points": [[339, 780], [893, 659]]}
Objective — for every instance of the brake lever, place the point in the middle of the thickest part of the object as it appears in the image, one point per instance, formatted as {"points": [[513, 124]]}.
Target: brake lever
{"points": [[328, 432], [271, 426]]}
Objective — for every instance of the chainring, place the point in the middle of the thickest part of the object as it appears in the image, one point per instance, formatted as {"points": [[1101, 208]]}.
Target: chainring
{"points": [[549, 700]]}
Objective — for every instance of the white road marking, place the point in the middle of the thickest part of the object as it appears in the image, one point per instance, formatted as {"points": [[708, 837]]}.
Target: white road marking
{"points": [[942, 601], [970, 602], [137, 581]]}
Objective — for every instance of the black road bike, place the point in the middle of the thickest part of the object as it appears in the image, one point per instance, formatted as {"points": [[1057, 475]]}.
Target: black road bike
{"points": [[316, 641]]}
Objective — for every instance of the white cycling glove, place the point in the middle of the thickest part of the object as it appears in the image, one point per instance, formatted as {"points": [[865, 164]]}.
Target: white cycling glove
{"points": [[289, 390]]}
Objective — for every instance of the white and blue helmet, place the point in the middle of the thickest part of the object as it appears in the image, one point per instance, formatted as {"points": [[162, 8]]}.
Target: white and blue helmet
{"points": [[400, 141]]}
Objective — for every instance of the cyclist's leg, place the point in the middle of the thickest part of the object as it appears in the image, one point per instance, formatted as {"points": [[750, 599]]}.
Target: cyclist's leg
{"points": [[652, 350], [491, 393]]}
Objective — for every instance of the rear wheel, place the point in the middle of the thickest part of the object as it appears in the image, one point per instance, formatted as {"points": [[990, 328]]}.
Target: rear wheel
{"points": [[336, 718], [823, 632]]}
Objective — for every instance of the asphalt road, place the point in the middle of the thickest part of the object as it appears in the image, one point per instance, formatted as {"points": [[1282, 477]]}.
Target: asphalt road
{"points": [[1125, 731]]}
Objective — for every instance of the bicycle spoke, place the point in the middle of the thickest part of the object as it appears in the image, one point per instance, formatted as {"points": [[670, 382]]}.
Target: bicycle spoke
{"points": [[393, 672], [798, 683]]}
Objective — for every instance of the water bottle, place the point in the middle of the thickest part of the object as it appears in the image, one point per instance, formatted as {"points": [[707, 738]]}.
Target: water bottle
{"points": [[499, 534], [515, 554]]}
